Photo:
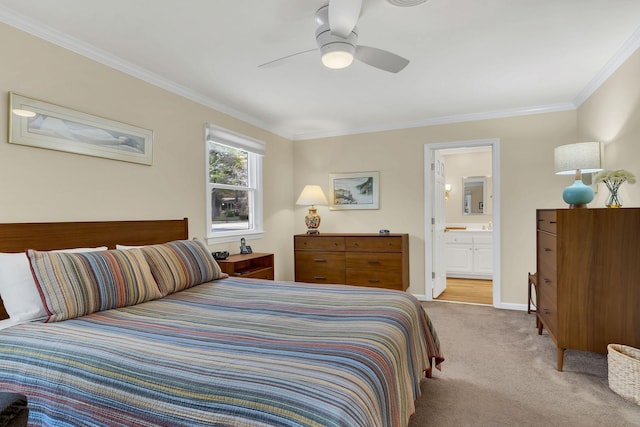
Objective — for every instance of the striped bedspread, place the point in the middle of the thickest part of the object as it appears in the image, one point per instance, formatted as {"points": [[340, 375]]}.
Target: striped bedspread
{"points": [[231, 353]]}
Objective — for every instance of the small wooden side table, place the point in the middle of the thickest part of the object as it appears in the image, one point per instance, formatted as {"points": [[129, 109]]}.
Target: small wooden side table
{"points": [[254, 266]]}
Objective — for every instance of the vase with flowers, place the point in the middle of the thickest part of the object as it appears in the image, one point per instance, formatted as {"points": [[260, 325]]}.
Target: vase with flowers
{"points": [[613, 179]]}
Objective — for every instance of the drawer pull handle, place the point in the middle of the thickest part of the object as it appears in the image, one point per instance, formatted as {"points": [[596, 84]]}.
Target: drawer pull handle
{"points": [[319, 278], [319, 260], [373, 261], [553, 222], [547, 281], [548, 250], [374, 281]]}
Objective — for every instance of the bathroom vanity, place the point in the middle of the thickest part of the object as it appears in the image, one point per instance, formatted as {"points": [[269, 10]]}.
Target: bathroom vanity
{"points": [[469, 253]]}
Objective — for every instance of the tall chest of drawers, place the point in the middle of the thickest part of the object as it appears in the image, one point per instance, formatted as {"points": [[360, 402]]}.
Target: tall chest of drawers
{"points": [[588, 264], [376, 260]]}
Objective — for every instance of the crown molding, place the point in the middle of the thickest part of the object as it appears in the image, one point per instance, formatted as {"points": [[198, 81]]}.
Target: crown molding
{"points": [[87, 50], [626, 50], [444, 120]]}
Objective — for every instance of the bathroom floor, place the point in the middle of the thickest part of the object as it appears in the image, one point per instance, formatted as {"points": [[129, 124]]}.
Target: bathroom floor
{"points": [[473, 291]]}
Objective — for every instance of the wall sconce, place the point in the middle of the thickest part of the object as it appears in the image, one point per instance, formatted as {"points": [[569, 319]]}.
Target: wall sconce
{"points": [[312, 195], [447, 190], [575, 159]]}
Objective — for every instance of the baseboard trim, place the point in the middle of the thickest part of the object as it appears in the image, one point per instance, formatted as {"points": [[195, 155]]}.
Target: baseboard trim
{"points": [[511, 306]]}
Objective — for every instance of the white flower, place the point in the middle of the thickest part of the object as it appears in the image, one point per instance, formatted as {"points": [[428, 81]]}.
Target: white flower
{"points": [[615, 177]]}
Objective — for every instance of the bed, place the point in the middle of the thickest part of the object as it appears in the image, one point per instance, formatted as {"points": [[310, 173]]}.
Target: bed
{"points": [[227, 351]]}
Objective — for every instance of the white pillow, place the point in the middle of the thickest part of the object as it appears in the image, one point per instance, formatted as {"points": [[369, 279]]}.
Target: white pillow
{"points": [[77, 250], [126, 247], [18, 289], [5, 323]]}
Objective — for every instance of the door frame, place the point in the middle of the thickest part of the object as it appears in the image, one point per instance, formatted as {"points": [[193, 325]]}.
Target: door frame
{"points": [[494, 143]]}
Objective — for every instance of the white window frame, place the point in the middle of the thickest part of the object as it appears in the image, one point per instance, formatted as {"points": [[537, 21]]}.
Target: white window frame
{"points": [[256, 149]]}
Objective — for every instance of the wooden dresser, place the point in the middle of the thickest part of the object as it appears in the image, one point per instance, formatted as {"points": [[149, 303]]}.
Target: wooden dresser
{"points": [[588, 263], [377, 260]]}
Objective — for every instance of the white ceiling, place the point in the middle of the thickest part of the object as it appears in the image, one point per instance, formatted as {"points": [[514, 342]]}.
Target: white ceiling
{"points": [[470, 59]]}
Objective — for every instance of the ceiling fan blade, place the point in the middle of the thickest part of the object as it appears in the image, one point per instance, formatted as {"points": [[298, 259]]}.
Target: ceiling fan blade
{"points": [[343, 16], [381, 59], [285, 59]]}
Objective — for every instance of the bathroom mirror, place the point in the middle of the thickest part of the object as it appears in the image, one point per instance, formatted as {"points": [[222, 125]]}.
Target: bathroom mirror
{"points": [[474, 200]]}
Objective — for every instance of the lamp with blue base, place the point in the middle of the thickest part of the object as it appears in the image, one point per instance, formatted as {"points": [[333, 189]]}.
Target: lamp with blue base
{"points": [[582, 157], [578, 195]]}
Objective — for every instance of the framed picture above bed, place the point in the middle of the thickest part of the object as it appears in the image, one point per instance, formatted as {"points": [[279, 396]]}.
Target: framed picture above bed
{"points": [[355, 190], [43, 125]]}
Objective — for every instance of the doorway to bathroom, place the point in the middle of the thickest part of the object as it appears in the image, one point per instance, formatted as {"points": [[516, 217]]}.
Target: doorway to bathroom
{"points": [[468, 291], [462, 217]]}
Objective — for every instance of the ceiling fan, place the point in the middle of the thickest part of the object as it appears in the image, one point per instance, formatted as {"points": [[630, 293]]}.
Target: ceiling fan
{"points": [[337, 37]]}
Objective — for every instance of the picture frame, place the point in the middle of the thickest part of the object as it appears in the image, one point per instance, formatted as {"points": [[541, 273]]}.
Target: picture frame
{"points": [[354, 190], [41, 124]]}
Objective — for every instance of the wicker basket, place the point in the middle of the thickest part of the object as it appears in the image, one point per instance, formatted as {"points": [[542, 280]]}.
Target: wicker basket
{"points": [[624, 371]]}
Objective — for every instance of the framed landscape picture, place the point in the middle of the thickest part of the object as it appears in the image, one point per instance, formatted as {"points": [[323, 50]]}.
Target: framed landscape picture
{"points": [[40, 124], [356, 190]]}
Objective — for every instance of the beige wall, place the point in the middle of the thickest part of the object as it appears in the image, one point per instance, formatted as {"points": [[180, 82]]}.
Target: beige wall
{"points": [[45, 185], [527, 179], [612, 115]]}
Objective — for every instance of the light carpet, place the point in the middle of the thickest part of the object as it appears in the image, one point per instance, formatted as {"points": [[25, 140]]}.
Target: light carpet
{"points": [[500, 372]]}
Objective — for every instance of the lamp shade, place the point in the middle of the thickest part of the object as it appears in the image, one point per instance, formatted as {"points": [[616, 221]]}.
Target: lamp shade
{"points": [[585, 156], [312, 195]]}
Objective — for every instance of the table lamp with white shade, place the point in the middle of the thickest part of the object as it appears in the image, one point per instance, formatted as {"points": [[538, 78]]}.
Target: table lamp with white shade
{"points": [[579, 158], [312, 195]]}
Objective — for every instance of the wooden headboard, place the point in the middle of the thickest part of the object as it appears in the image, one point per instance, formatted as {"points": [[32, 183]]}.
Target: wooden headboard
{"points": [[45, 236]]}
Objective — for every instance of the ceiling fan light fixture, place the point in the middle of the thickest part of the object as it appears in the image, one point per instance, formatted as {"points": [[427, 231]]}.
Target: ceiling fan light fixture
{"points": [[337, 59], [337, 54], [338, 40]]}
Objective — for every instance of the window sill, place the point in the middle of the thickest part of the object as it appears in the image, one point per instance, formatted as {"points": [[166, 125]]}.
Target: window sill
{"points": [[235, 237]]}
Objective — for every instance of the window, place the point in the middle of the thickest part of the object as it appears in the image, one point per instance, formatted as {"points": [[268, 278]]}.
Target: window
{"points": [[234, 185]]}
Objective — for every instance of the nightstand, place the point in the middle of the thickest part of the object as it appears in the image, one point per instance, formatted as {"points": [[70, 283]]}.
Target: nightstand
{"points": [[254, 266]]}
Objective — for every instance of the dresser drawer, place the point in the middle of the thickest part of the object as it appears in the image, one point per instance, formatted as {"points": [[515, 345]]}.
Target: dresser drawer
{"points": [[376, 279], [309, 274], [319, 267], [547, 260], [548, 280], [375, 261], [548, 311], [322, 243], [311, 259], [547, 221], [373, 243]]}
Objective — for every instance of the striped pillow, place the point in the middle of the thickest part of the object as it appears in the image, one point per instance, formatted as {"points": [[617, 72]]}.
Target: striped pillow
{"points": [[75, 284], [181, 264]]}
